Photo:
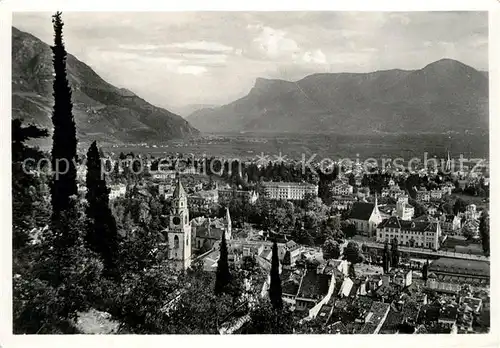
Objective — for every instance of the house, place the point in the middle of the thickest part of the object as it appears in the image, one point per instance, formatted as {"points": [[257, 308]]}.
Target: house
{"points": [[471, 228], [294, 249], [341, 189], [313, 289], [343, 203], [346, 287], [471, 212], [403, 279], [337, 328], [447, 188], [395, 192], [432, 209], [448, 313], [436, 194], [423, 195], [403, 209], [366, 217], [413, 233], [375, 318], [117, 191], [204, 199], [465, 319], [227, 194], [450, 224], [205, 232], [474, 304], [162, 175], [166, 189], [291, 281]]}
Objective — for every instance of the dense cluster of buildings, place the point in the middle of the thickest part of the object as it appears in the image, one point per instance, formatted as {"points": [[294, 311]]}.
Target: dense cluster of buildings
{"points": [[326, 291]]}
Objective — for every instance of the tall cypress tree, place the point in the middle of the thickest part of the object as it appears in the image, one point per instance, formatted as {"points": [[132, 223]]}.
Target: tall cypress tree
{"points": [[223, 276], [275, 287], [386, 260], [395, 252], [425, 271], [484, 232], [64, 140], [102, 234]]}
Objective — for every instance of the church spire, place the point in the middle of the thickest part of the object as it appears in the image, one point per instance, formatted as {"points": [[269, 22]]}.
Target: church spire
{"points": [[179, 190], [448, 162], [376, 203]]}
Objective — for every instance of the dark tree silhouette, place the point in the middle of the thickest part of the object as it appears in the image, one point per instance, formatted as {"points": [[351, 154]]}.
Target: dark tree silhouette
{"points": [[64, 140], [331, 249], [386, 259], [484, 232], [223, 276], [275, 287], [425, 271], [352, 253], [394, 252], [102, 234]]}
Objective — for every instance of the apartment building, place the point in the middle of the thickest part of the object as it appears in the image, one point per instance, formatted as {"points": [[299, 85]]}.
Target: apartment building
{"points": [[424, 234], [292, 191]]}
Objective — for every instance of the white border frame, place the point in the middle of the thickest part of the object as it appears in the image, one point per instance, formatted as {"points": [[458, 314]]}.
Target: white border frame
{"points": [[7, 340]]}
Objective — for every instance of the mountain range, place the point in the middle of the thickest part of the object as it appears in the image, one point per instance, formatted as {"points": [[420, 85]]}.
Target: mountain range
{"points": [[445, 95], [102, 111]]}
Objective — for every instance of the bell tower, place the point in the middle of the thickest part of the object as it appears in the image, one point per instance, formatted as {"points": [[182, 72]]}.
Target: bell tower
{"points": [[179, 231]]}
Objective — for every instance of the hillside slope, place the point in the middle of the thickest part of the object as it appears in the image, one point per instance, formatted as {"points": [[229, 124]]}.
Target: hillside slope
{"points": [[101, 110]]}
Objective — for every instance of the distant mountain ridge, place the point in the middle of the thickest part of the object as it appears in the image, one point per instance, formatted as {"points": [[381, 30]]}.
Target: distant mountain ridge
{"points": [[102, 111], [446, 95]]}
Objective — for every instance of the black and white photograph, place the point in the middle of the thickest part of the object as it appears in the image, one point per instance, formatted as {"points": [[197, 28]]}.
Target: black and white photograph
{"points": [[242, 172]]}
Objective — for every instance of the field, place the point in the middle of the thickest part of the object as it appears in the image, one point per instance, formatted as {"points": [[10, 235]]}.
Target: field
{"points": [[332, 146]]}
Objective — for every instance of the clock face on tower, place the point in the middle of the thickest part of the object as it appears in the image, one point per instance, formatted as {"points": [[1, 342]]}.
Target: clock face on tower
{"points": [[176, 220]]}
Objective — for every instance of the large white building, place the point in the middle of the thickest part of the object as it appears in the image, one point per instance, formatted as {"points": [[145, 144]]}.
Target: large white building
{"points": [[293, 191], [424, 234]]}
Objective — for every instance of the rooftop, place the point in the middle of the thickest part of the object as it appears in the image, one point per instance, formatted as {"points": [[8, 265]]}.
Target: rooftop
{"points": [[337, 328], [361, 211], [375, 316], [413, 225], [314, 286], [287, 183], [459, 266]]}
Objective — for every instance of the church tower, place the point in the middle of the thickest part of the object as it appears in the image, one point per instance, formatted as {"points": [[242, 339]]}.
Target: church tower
{"points": [[179, 231]]}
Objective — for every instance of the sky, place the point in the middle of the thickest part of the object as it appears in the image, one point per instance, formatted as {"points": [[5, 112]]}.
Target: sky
{"points": [[173, 59]]}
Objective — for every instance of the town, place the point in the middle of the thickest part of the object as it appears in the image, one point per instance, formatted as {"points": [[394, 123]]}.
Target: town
{"points": [[360, 250]]}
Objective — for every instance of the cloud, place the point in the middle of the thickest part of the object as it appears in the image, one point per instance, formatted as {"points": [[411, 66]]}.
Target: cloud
{"points": [[138, 47], [202, 46], [191, 69], [316, 56], [276, 44], [273, 42]]}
